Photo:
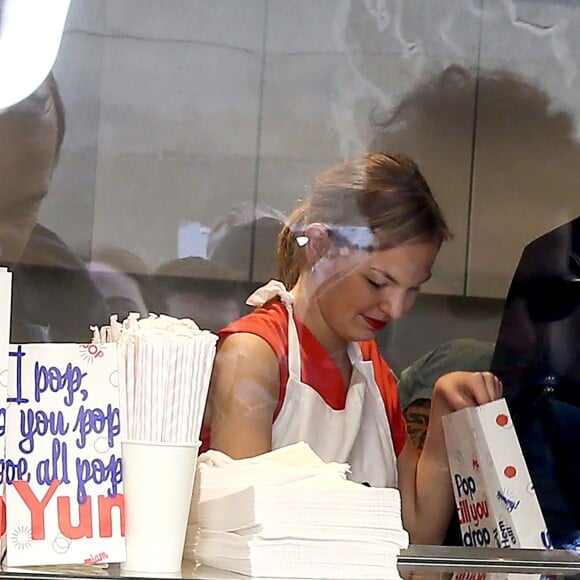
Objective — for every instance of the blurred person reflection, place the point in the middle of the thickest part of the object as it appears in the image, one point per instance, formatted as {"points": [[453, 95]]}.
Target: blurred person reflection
{"points": [[120, 290], [512, 113], [53, 296], [246, 226], [539, 336], [519, 114], [126, 283], [537, 355], [195, 288]]}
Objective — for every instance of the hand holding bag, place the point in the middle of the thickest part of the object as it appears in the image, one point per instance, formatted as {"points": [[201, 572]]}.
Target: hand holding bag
{"points": [[496, 502]]}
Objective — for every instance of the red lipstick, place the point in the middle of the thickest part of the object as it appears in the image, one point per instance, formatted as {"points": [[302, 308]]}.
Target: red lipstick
{"points": [[374, 323]]}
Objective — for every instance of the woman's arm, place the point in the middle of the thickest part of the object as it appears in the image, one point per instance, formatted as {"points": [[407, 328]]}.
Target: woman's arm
{"points": [[243, 395], [425, 483]]}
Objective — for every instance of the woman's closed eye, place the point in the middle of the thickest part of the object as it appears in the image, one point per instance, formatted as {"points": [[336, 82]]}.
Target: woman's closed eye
{"points": [[385, 283], [375, 284]]}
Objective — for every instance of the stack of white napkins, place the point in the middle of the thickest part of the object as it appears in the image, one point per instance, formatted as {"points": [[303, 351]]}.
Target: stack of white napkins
{"points": [[288, 514]]}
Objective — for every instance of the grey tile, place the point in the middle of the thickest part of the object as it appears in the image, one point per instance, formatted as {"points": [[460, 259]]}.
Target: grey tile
{"points": [[142, 199], [410, 29], [178, 137], [231, 23], [86, 16], [321, 108], [525, 176], [302, 26], [160, 97]]}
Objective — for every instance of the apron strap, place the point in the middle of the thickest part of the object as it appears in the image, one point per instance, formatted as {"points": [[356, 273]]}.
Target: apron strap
{"points": [[270, 290], [294, 362]]}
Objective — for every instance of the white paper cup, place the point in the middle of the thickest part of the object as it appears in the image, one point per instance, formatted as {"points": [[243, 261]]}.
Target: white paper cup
{"points": [[157, 486]]}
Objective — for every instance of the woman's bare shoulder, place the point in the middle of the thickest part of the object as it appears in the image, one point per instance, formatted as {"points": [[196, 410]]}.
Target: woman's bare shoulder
{"points": [[244, 358]]}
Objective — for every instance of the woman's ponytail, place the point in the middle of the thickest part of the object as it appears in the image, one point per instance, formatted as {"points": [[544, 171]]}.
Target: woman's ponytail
{"points": [[289, 252]]}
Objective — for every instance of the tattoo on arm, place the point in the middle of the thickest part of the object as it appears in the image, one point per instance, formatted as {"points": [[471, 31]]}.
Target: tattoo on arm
{"points": [[417, 417]]}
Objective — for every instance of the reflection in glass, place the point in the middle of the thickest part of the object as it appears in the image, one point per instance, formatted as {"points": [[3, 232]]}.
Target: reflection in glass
{"points": [[538, 358]]}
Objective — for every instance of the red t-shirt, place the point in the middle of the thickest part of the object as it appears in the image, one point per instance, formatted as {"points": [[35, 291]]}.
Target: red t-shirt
{"points": [[318, 369]]}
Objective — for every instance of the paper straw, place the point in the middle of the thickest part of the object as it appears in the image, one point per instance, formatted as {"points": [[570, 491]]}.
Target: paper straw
{"points": [[189, 388], [165, 367], [154, 382], [163, 387], [144, 391], [179, 391], [171, 402], [199, 387], [122, 374], [131, 379]]}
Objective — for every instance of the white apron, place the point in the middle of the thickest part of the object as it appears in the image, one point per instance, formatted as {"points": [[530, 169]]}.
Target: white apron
{"points": [[359, 434]]}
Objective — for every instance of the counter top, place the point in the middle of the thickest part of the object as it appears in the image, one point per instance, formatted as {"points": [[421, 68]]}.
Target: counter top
{"points": [[418, 561]]}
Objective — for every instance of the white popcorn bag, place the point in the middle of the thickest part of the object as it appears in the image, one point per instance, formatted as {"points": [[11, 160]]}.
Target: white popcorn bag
{"points": [[494, 494]]}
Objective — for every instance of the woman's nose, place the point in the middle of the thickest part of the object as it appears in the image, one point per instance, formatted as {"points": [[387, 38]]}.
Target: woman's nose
{"points": [[393, 306]]}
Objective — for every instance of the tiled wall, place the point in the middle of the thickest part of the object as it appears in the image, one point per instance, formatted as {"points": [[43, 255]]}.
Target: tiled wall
{"points": [[180, 110]]}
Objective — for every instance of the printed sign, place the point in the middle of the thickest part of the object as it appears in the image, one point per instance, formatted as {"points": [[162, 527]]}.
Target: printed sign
{"points": [[495, 498], [497, 576], [62, 468]]}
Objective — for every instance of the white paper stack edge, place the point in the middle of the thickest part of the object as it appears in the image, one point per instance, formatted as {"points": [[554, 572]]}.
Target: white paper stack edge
{"points": [[287, 514]]}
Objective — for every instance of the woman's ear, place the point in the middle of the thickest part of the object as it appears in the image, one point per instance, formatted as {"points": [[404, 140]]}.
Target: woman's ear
{"points": [[318, 244]]}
